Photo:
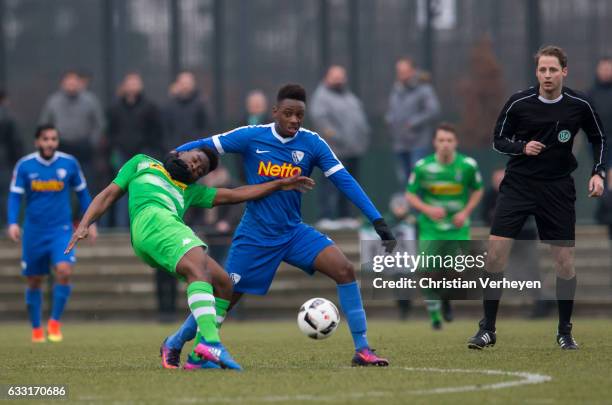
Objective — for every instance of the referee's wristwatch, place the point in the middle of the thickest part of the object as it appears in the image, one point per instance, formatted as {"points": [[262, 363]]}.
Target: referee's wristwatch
{"points": [[601, 173]]}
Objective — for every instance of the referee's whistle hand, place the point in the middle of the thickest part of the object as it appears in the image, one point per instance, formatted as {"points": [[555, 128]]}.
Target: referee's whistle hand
{"points": [[533, 148], [596, 186]]}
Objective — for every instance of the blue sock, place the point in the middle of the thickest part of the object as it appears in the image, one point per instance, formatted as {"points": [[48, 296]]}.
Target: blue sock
{"points": [[350, 302], [61, 293], [186, 332], [33, 299]]}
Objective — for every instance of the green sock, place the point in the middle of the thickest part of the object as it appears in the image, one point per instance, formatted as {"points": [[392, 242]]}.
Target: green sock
{"points": [[221, 306], [202, 304], [433, 307]]}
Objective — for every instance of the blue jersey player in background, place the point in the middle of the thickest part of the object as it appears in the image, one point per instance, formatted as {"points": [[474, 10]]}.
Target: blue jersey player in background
{"points": [[46, 178], [271, 229]]}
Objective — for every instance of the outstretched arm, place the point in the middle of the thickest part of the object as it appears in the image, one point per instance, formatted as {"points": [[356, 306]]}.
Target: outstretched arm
{"points": [[100, 204], [257, 191]]}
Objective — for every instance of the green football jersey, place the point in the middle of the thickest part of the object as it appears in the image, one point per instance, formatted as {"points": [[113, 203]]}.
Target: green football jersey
{"points": [[149, 184], [448, 186]]}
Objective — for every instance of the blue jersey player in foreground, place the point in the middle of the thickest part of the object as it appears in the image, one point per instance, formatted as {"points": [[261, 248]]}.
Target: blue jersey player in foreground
{"points": [[46, 178], [271, 229]]}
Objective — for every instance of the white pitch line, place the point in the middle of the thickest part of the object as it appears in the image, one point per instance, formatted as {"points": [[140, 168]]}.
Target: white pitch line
{"points": [[526, 378]]}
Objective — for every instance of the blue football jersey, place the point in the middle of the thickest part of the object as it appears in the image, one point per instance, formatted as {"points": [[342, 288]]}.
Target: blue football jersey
{"points": [[268, 156], [47, 185]]}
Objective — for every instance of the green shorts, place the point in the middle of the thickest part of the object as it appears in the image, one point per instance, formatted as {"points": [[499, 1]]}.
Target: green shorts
{"points": [[160, 238]]}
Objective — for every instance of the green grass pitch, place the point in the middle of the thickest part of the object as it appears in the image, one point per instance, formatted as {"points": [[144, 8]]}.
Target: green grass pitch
{"points": [[118, 363]]}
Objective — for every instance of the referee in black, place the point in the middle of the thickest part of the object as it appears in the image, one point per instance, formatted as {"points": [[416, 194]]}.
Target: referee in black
{"points": [[536, 128]]}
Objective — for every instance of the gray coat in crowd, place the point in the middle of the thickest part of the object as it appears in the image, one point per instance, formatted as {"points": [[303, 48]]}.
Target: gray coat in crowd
{"points": [[343, 114], [413, 109], [77, 117], [185, 119]]}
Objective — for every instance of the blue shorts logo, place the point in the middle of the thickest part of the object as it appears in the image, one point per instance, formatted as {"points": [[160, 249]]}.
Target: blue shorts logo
{"points": [[564, 136], [235, 278]]}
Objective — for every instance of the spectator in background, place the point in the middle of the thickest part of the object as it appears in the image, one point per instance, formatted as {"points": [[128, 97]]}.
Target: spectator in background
{"points": [[338, 116], [601, 94], [413, 109], [257, 113], [10, 151], [78, 116], [257, 108], [185, 116], [134, 126]]}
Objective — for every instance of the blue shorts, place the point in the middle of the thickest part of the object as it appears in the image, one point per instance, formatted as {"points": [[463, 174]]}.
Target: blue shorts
{"points": [[43, 249], [252, 263]]}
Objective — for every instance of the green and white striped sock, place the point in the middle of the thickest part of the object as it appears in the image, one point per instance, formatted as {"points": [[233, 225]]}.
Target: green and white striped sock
{"points": [[202, 304], [221, 306]]}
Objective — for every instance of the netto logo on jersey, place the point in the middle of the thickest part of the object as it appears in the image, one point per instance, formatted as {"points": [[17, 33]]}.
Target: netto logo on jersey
{"points": [[276, 170], [47, 185], [564, 136]]}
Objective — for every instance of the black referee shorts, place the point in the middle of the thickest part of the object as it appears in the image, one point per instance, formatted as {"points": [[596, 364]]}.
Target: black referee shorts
{"points": [[551, 202]]}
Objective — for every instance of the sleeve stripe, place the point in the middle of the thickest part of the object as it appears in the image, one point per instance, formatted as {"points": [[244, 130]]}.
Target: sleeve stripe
{"points": [[18, 190], [81, 187], [596, 124], [334, 169], [217, 144], [501, 131]]}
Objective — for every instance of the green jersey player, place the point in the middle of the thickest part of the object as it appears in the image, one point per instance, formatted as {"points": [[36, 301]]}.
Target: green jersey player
{"points": [[445, 187], [159, 195]]}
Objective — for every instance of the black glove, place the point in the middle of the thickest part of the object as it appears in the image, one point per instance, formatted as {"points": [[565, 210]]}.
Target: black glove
{"points": [[382, 229]]}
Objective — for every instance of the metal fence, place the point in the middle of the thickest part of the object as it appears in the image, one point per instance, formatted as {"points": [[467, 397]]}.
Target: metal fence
{"points": [[236, 45]]}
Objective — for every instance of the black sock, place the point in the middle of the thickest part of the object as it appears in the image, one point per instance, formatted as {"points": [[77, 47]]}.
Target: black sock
{"points": [[490, 302], [566, 289]]}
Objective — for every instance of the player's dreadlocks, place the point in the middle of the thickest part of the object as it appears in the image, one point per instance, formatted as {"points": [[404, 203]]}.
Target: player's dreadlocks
{"points": [[179, 170]]}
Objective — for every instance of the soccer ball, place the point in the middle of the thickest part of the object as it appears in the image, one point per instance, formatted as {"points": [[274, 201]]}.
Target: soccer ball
{"points": [[318, 318]]}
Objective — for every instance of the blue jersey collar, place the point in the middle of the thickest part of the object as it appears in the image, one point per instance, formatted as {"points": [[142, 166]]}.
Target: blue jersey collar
{"points": [[45, 162], [280, 138]]}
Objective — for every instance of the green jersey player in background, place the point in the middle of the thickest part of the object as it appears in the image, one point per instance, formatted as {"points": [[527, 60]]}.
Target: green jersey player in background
{"points": [[444, 187], [159, 195]]}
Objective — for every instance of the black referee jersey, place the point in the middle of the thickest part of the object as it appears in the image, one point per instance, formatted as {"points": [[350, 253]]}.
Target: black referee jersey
{"points": [[527, 116]]}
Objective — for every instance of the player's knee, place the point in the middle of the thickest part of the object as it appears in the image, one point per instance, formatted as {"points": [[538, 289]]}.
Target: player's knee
{"points": [[565, 269], [496, 260], [34, 282], [223, 285], [564, 264], [63, 273], [345, 273], [194, 273]]}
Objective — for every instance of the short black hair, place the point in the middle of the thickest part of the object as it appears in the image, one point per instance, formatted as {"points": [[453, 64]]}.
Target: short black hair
{"points": [[42, 128], [291, 91]]}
